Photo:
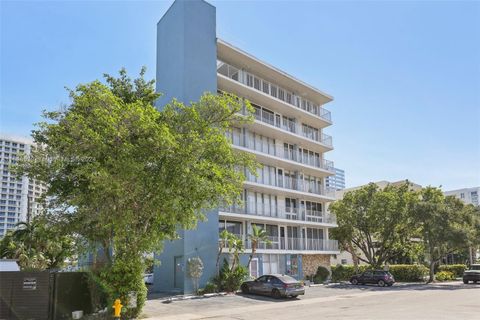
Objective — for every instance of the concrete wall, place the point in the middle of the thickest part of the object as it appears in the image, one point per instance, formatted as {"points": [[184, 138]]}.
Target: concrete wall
{"points": [[186, 69], [202, 242], [186, 51], [163, 274]]}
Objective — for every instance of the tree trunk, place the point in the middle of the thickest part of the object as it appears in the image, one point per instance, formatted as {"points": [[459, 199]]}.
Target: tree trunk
{"points": [[431, 277], [249, 261]]}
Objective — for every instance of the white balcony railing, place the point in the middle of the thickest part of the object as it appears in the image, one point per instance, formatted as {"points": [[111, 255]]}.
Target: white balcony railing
{"points": [[273, 90], [289, 213], [291, 127]]}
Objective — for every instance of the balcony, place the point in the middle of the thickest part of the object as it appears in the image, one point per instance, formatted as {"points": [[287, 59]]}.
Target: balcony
{"points": [[291, 127], [274, 91], [295, 244], [305, 158], [288, 213]]}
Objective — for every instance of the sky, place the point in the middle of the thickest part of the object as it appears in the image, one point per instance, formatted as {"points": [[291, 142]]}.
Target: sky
{"points": [[405, 75]]}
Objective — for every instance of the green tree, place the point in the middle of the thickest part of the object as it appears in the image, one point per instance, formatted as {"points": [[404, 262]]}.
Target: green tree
{"points": [[125, 176], [37, 245], [258, 235], [445, 224], [375, 222]]}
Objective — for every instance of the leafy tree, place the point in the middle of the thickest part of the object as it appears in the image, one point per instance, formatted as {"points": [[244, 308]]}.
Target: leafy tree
{"points": [[445, 225], [125, 176], [375, 222], [257, 236], [37, 245]]}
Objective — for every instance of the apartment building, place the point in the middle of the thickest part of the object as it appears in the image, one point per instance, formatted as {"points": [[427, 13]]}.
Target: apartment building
{"points": [[288, 196], [19, 196], [467, 195], [337, 181]]}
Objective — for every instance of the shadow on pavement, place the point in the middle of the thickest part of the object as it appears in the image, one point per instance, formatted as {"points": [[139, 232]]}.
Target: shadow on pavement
{"points": [[406, 286], [264, 298]]}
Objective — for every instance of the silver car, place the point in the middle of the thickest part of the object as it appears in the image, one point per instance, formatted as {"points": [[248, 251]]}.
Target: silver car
{"points": [[275, 285]]}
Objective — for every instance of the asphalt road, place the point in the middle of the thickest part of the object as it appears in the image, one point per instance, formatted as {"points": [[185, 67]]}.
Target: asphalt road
{"points": [[453, 300]]}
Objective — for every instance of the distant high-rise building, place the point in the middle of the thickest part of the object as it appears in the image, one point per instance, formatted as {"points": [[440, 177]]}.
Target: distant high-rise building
{"points": [[337, 181], [467, 195], [19, 196]]}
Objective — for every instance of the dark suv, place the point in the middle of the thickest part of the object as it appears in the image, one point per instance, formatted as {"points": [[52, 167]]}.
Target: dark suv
{"points": [[472, 274], [380, 277]]}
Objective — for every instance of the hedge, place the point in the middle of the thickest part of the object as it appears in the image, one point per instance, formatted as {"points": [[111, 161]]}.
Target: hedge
{"points": [[345, 272], [401, 272], [444, 276], [408, 272], [456, 269]]}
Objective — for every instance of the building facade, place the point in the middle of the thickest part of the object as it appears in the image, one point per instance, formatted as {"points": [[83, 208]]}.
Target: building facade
{"points": [[337, 181], [288, 197], [19, 196], [467, 195]]}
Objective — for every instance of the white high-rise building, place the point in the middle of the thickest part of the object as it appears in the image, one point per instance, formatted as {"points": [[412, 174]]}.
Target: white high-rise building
{"points": [[19, 196], [467, 195], [288, 198]]}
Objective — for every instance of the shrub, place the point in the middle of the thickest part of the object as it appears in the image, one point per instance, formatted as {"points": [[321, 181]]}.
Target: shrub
{"points": [[230, 280], [209, 288], [456, 269], [321, 275], [401, 272], [345, 272], [444, 276], [120, 279], [408, 272]]}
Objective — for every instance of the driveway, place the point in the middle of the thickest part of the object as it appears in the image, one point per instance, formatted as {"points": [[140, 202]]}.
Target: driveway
{"points": [[453, 300]]}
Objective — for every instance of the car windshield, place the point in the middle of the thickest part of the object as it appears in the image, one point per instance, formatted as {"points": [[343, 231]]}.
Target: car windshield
{"points": [[287, 279]]}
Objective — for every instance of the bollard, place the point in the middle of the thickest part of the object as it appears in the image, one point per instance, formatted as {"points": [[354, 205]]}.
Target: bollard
{"points": [[117, 309]]}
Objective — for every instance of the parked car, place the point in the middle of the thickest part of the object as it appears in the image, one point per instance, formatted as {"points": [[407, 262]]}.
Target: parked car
{"points": [[472, 274], [148, 278], [380, 277], [275, 285]]}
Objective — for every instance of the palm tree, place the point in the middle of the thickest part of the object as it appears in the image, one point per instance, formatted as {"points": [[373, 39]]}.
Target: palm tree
{"points": [[257, 236]]}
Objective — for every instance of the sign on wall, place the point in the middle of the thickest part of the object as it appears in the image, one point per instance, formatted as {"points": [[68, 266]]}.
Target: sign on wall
{"points": [[29, 283]]}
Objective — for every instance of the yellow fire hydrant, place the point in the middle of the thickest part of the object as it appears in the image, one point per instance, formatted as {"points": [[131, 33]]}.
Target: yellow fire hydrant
{"points": [[117, 308]]}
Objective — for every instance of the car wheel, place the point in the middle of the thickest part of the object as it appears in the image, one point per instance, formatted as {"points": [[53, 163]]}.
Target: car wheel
{"points": [[354, 281], [276, 294], [381, 283], [245, 288], [465, 281]]}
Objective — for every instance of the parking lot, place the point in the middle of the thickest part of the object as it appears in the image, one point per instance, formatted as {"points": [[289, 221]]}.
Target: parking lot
{"points": [[453, 300]]}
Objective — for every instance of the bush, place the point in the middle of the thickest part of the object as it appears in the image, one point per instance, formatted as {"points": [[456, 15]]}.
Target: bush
{"points": [[321, 275], [456, 269], [444, 276], [209, 288], [230, 280], [121, 278], [408, 272], [401, 272], [345, 272]]}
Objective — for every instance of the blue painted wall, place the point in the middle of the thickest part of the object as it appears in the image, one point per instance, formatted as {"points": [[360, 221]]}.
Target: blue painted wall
{"points": [[186, 69], [186, 51]]}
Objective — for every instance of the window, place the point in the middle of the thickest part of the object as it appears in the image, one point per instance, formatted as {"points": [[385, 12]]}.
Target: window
{"points": [[272, 264], [234, 227], [462, 195]]}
